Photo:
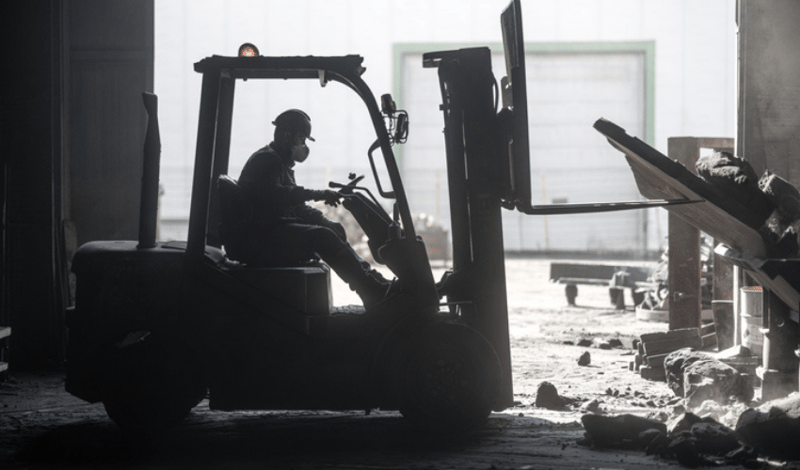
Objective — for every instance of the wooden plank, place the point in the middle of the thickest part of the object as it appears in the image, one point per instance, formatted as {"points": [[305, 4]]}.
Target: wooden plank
{"points": [[661, 182], [709, 340], [670, 345], [671, 334], [653, 373], [657, 360], [707, 328]]}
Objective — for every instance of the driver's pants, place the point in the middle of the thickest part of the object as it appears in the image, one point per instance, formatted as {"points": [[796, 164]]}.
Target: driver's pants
{"points": [[290, 244]]}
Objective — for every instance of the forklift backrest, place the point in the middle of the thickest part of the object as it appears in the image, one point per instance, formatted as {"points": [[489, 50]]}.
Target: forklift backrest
{"points": [[236, 210]]}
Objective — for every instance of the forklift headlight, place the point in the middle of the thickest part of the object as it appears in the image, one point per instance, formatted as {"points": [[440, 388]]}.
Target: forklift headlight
{"points": [[248, 50]]}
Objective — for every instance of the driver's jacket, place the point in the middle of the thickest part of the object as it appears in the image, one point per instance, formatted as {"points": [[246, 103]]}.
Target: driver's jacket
{"points": [[268, 179]]}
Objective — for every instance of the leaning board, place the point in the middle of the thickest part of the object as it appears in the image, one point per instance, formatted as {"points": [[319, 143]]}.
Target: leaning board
{"points": [[659, 177]]}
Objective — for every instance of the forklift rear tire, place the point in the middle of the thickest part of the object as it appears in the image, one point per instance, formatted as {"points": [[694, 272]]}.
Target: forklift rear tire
{"points": [[451, 380], [152, 387]]}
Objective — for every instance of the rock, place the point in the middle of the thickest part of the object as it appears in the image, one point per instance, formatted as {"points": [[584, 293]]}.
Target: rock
{"points": [[735, 178], [682, 423], [714, 380], [674, 364], [585, 359], [659, 446], [646, 437], [600, 343], [783, 195], [742, 455], [584, 343], [620, 431], [773, 429], [710, 409], [686, 452], [591, 406], [726, 169], [615, 343], [547, 397], [714, 438]]}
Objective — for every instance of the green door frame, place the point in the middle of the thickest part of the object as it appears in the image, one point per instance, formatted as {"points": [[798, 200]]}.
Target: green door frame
{"points": [[648, 48]]}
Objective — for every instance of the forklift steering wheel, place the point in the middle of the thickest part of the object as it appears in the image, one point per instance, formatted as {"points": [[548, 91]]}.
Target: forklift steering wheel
{"points": [[346, 188]]}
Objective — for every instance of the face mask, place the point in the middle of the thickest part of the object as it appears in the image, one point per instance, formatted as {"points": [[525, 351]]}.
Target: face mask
{"points": [[300, 153]]}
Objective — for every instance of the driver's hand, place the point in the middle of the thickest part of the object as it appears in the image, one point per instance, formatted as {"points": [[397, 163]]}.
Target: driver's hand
{"points": [[330, 197]]}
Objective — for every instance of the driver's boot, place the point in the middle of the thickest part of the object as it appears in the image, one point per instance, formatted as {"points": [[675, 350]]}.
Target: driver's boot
{"points": [[369, 284]]}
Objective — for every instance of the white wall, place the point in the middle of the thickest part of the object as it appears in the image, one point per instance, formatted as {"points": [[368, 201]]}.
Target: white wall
{"points": [[695, 72]]}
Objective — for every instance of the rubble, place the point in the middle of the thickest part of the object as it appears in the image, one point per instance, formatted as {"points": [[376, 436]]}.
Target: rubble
{"points": [[592, 406], [621, 431], [675, 364], [697, 377], [711, 379], [547, 397], [735, 178], [585, 359], [773, 429], [783, 225], [691, 440]]}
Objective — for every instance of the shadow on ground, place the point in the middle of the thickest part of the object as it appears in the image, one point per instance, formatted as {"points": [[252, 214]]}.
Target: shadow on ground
{"points": [[239, 440]]}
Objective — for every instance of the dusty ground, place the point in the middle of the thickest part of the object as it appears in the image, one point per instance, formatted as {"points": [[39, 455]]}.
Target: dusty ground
{"points": [[41, 426]]}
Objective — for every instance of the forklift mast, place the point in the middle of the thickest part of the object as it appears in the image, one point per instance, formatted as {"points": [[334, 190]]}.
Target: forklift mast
{"points": [[471, 129], [487, 169]]}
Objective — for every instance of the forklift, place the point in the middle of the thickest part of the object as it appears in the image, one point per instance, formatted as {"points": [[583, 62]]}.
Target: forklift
{"points": [[159, 326]]}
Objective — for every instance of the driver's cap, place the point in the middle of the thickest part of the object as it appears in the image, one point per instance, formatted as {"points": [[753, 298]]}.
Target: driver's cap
{"points": [[295, 120]]}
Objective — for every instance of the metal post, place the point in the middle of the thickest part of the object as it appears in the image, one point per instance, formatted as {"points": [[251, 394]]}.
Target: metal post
{"points": [[203, 163], [148, 205]]}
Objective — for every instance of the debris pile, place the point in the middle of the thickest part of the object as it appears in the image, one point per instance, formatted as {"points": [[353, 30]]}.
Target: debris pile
{"points": [[773, 200], [783, 225], [770, 431], [773, 428]]}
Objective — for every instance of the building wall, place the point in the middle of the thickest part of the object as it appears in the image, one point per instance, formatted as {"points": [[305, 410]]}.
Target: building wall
{"points": [[769, 93], [695, 69]]}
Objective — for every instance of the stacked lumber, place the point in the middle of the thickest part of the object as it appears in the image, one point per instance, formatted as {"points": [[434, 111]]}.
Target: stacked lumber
{"points": [[653, 348]]}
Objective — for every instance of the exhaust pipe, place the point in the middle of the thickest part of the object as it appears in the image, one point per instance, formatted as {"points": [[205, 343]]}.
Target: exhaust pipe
{"points": [[148, 207]]}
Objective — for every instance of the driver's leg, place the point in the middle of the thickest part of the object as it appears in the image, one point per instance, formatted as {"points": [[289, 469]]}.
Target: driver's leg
{"points": [[340, 256]]}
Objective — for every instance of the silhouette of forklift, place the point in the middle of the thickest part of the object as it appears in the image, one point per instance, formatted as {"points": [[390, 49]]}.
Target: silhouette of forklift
{"points": [[159, 326]]}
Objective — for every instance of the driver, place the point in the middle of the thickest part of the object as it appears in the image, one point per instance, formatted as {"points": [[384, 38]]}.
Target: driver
{"points": [[287, 229]]}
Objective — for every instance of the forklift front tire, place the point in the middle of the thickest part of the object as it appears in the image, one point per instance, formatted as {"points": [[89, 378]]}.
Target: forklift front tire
{"points": [[451, 382]]}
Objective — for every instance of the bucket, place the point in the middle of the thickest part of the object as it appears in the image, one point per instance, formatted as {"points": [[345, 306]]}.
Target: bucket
{"points": [[752, 308]]}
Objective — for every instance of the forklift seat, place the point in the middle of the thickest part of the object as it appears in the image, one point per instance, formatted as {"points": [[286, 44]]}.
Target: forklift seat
{"points": [[305, 286], [236, 213]]}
